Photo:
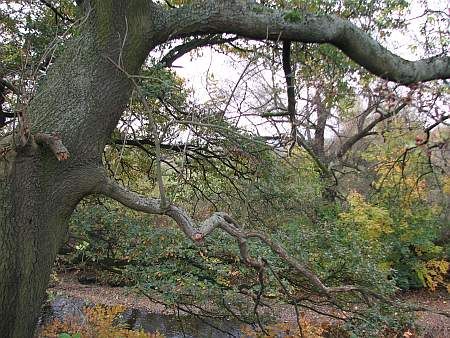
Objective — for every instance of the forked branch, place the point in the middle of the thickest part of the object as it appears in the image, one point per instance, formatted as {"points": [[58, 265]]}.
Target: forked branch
{"points": [[218, 220]]}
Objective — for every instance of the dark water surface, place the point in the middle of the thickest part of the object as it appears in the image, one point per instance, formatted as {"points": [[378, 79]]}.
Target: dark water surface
{"points": [[171, 326]]}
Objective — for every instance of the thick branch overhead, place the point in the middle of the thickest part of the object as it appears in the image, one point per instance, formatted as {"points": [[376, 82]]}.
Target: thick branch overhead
{"points": [[253, 21]]}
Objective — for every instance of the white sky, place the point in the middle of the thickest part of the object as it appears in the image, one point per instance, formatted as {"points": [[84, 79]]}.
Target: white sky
{"points": [[195, 69]]}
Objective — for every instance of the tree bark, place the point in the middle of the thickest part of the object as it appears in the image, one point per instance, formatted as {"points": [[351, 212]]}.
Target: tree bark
{"points": [[81, 100], [32, 227]]}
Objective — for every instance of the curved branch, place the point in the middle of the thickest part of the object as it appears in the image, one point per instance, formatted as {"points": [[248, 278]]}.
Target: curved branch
{"points": [[253, 21], [198, 233], [177, 52]]}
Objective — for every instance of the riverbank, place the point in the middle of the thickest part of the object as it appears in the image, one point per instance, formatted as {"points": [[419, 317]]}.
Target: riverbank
{"points": [[67, 285]]}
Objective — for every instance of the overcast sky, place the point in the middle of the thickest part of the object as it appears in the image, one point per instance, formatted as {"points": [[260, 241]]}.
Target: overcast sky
{"points": [[194, 69]]}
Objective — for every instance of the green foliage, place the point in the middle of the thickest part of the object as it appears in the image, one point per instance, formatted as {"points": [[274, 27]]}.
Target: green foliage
{"points": [[30, 33], [378, 242], [164, 265], [380, 320], [400, 212], [109, 232], [338, 251], [293, 16], [66, 335], [255, 185]]}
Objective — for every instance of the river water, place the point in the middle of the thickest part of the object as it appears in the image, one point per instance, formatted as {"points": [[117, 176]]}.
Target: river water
{"points": [[171, 326]]}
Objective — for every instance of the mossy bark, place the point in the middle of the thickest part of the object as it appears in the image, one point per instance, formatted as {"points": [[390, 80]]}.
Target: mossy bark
{"points": [[81, 99]]}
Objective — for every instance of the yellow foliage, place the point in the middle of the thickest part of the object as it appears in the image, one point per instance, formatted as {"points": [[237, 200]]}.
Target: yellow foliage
{"points": [[432, 273], [98, 322], [373, 221], [399, 165], [409, 185], [446, 185]]}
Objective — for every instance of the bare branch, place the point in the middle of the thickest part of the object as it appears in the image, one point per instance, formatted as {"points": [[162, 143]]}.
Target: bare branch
{"points": [[179, 51], [367, 130], [289, 77], [10, 86], [178, 148], [57, 12], [198, 233], [154, 130]]}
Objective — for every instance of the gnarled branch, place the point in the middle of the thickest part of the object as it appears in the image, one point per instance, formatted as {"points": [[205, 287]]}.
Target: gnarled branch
{"points": [[367, 130], [199, 232], [250, 20]]}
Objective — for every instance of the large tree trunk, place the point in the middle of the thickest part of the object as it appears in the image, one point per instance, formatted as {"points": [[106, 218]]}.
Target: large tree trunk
{"points": [[32, 226], [81, 100]]}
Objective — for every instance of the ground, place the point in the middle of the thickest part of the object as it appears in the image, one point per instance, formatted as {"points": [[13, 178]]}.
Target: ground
{"points": [[67, 284]]}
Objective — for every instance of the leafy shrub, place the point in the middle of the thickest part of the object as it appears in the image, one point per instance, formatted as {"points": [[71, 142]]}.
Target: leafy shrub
{"points": [[410, 197]]}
